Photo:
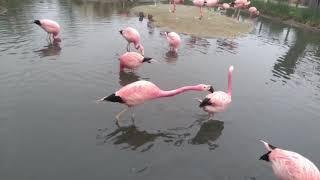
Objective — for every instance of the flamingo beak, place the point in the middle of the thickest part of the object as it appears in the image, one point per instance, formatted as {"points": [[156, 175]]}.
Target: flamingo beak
{"points": [[120, 31], [265, 157], [211, 89]]}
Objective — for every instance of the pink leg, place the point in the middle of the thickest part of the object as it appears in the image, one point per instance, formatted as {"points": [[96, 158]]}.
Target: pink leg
{"points": [[174, 6], [201, 13]]}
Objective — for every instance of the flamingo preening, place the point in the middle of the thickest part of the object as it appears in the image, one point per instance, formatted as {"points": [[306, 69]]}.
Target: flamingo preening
{"points": [[51, 27], [218, 101], [288, 165], [141, 91], [132, 36]]}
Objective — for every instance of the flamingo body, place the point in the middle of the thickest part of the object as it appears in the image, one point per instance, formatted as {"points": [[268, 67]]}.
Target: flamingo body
{"points": [[132, 36], [225, 6], [253, 11], [174, 41], [132, 60], [288, 165], [218, 101], [50, 26], [212, 3], [140, 91]]}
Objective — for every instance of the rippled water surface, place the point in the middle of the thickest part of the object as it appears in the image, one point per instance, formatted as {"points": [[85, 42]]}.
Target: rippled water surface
{"points": [[51, 127]]}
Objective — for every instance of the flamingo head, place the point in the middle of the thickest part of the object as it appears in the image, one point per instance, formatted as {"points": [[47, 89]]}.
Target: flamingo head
{"points": [[37, 22], [204, 87]]}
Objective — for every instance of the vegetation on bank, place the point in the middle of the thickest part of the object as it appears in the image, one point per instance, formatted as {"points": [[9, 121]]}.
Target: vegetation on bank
{"points": [[285, 11]]}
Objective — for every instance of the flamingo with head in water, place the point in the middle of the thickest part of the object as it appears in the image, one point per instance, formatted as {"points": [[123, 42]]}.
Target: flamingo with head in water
{"points": [[132, 36], [51, 27], [141, 91], [132, 60], [288, 165], [218, 101], [174, 41]]}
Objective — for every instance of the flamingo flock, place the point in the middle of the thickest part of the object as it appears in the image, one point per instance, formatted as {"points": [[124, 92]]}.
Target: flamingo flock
{"points": [[287, 165]]}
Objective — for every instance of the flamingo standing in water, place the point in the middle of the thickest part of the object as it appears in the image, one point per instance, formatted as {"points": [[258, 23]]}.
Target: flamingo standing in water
{"points": [[218, 101], [51, 27], [288, 165], [200, 4], [174, 41], [132, 36], [132, 60], [174, 2], [253, 11], [140, 91]]}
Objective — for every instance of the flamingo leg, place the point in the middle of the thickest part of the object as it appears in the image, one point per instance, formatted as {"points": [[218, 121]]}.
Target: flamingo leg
{"points": [[128, 47], [210, 117], [201, 13], [119, 114], [132, 114]]}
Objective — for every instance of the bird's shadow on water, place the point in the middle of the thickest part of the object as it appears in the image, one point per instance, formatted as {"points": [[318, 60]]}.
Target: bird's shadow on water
{"points": [[171, 57], [227, 45], [127, 77], [50, 50], [133, 138]]}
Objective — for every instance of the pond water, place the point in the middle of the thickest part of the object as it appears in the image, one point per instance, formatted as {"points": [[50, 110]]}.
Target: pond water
{"points": [[51, 127]]}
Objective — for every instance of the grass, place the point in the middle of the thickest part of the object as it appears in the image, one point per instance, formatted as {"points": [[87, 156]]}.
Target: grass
{"points": [[283, 10]]}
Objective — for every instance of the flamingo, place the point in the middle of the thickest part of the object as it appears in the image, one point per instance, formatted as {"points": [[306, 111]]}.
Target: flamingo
{"points": [[199, 3], [288, 165], [51, 27], [218, 101], [211, 3], [174, 41], [132, 36], [174, 2], [253, 11], [138, 92], [132, 60], [241, 4]]}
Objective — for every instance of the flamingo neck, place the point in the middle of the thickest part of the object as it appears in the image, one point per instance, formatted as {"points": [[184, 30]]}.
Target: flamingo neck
{"points": [[230, 83], [179, 91]]}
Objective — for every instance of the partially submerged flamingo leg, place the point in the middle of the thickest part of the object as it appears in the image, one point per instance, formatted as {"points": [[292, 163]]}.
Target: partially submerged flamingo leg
{"points": [[210, 117], [128, 47], [119, 114]]}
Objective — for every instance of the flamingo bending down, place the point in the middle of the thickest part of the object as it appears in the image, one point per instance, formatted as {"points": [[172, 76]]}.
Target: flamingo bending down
{"points": [[174, 41], [140, 91], [132, 36], [218, 101], [51, 27], [253, 11], [200, 4], [132, 60], [288, 165], [174, 2]]}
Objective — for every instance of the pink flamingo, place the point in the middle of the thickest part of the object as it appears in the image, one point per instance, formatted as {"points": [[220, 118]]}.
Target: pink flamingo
{"points": [[174, 41], [132, 36], [132, 60], [241, 4], [200, 4], [174, 2], [140, 91], [212, 3], [288, 165], [218, 101], [51, 27], [253, 11]]}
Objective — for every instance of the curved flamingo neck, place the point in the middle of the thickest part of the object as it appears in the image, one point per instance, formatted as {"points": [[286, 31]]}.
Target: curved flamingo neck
{"points": [[179, 91], [230, 83]]}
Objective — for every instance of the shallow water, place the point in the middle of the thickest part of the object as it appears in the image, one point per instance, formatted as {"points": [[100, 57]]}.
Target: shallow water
{"points": [[51, 128]]}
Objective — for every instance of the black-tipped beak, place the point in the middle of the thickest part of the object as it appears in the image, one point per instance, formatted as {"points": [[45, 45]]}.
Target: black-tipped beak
{"points": [[211, 89], [265, 157], [120, 31], [37, 22]]}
